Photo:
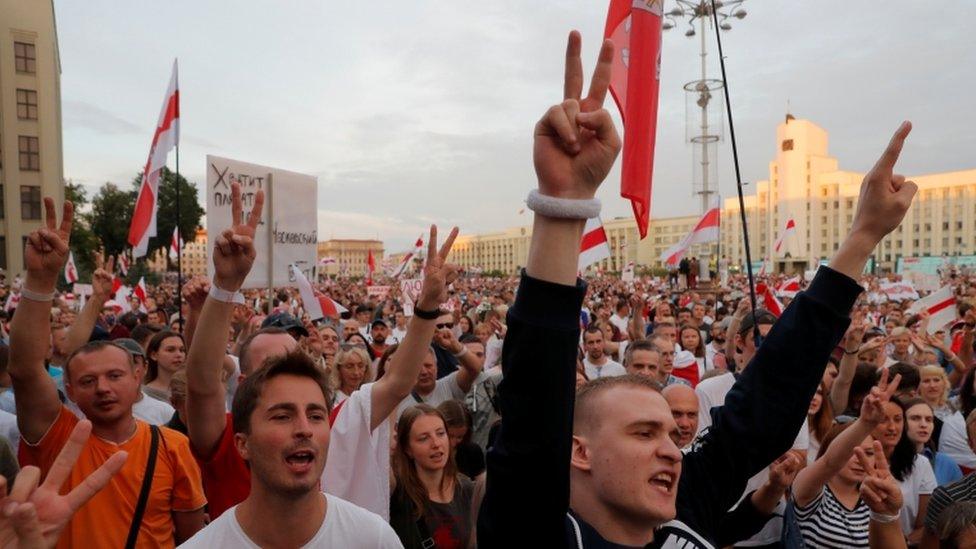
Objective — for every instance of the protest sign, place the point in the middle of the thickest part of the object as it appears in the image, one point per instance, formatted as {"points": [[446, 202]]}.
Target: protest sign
{"points": [[288, 231], [378, 292]]}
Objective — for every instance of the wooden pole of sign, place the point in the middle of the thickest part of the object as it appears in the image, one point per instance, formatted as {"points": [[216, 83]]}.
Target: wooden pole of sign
{"points": [[269, 192]]}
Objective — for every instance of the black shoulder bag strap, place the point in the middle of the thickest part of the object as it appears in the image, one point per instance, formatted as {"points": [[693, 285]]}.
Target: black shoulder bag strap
{"points": [[130, 542], [426, 540]]}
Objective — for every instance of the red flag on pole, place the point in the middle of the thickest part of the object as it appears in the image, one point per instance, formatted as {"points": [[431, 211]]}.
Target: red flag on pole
{"points": [[634, 27], [370, 267], [166, 137]]}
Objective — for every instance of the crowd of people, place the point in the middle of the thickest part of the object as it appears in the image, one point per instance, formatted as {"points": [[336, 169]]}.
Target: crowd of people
{"points": [[543, 410]]}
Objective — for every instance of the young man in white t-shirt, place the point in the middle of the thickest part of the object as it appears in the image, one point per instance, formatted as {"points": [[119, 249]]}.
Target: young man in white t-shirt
{"points": [[281, 428], [596, 362]]}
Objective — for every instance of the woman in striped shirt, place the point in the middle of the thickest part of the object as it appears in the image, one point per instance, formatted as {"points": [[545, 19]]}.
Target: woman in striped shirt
{"points": [[829, 508]]}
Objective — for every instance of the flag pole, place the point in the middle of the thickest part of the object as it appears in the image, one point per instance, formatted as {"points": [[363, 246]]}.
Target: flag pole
{"points": [[179, 248]]}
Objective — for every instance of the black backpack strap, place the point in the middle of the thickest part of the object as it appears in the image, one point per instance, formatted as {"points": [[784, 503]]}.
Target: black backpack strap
{"points": [[147, 481], [416, 397], [426, 540]]}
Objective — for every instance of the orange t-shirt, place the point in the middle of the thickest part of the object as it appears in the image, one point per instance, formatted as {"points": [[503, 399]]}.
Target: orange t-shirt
{"points": [[104, 521]]}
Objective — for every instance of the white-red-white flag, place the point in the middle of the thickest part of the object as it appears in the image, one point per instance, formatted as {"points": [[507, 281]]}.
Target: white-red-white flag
{"points": [[593, 246], [788, 231], [165, 138], [417, 247], [123, 263], [635, 29], [316, 305], [941, 307], [789, 288], [706, 230], [140, 290], [899, 291], [327, 261], [175, 244], [70, 271], [770, 303]]}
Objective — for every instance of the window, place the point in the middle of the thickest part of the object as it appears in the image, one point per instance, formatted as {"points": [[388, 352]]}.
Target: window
{"points": [[25, 58], [945, 225], [787, 145], [27, 104], [30, 202], [3, 252], [30, 154], [3, 207]]}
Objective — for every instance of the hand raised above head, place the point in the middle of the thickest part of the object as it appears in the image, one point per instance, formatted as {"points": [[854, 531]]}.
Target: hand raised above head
{"points": [[234, 253], [576, 142], [47, 248], [885, 196], [438, 274]]}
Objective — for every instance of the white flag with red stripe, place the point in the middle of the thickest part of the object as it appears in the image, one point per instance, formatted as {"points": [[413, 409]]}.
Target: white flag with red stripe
{"points": [[899, 291], [70, 271], [140, 290], [123, 263], [175, 244], [417, 247], [789, 288], [593, 246], [165, 138], [941, 307], [788, 231], [316, 305], [706, 230], [770, 303]]}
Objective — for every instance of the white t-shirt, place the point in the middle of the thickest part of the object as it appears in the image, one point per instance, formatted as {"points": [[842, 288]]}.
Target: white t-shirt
{"points": [[358, 464], [345, 525], [954, 442], [445, 389], [9, 429], [609, 369], [711, 393], [620, 323], [493, 352], [921, 482], [152, 411], [397, 335]]}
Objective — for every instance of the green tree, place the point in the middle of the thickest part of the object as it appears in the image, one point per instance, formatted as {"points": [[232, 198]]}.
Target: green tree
{"points": [[190, 210], [110, 215], [84, 243]]}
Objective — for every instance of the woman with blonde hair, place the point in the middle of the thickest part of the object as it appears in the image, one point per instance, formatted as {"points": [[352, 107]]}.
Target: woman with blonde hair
{"points": [[430, 499], [934, 389], [350, 372]]}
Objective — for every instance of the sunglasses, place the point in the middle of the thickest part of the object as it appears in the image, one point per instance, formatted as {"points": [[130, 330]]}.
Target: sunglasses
{"points": [[448, 325]]}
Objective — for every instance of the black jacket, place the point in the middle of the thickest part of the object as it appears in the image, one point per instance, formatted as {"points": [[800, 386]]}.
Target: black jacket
{"points": [[527, 490]]}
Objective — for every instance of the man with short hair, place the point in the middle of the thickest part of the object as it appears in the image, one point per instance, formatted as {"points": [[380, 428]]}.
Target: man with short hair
{"points": [[626, 480], [379, 331], [621, 317], [281, 430], [447, 363], [665, 349], [360, 454], [642, 359], [399, 326], [433, 391], [102, 380], [684, 408], [596, 362], [349, 328]]}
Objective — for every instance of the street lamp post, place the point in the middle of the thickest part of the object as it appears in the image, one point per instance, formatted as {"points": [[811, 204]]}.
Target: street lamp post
{"points": [[700, 11]]}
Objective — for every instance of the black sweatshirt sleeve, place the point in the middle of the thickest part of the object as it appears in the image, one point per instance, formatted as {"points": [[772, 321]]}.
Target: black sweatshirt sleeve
{"points": [[527, 484], [764, 410], [741, 523]]}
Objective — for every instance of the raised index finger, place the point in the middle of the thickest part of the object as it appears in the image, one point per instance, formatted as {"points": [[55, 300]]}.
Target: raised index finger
{"points": [[237, 215], [888, 158], [573, 85], [601, 74]]}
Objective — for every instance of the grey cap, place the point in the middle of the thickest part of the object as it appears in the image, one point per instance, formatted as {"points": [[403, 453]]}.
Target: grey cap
{"points": [[130, 345]]}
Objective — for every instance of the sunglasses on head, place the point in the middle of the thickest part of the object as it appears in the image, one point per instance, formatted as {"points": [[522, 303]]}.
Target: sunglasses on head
{"points": [[442, 325]]}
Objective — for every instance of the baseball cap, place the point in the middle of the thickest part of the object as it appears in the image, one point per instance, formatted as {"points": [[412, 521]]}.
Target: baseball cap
{"points": [[762, 316], [379, 321], [130, 345], [284, 321]]}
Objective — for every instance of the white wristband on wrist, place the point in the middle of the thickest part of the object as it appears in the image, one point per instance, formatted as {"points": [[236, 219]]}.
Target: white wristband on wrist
{"points": [[462, 352], [883, 519], [562, 208], [36, 296], [224, 296]]}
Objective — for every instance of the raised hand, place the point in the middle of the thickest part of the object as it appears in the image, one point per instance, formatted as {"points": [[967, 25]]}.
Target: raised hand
{"points": [[885, 196], [47, 248], [195, 292], [234, 249], [32, 514], [872, 408], [438, 274], [103, 277], [784, 470], [576, 142], [879, 489]]}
